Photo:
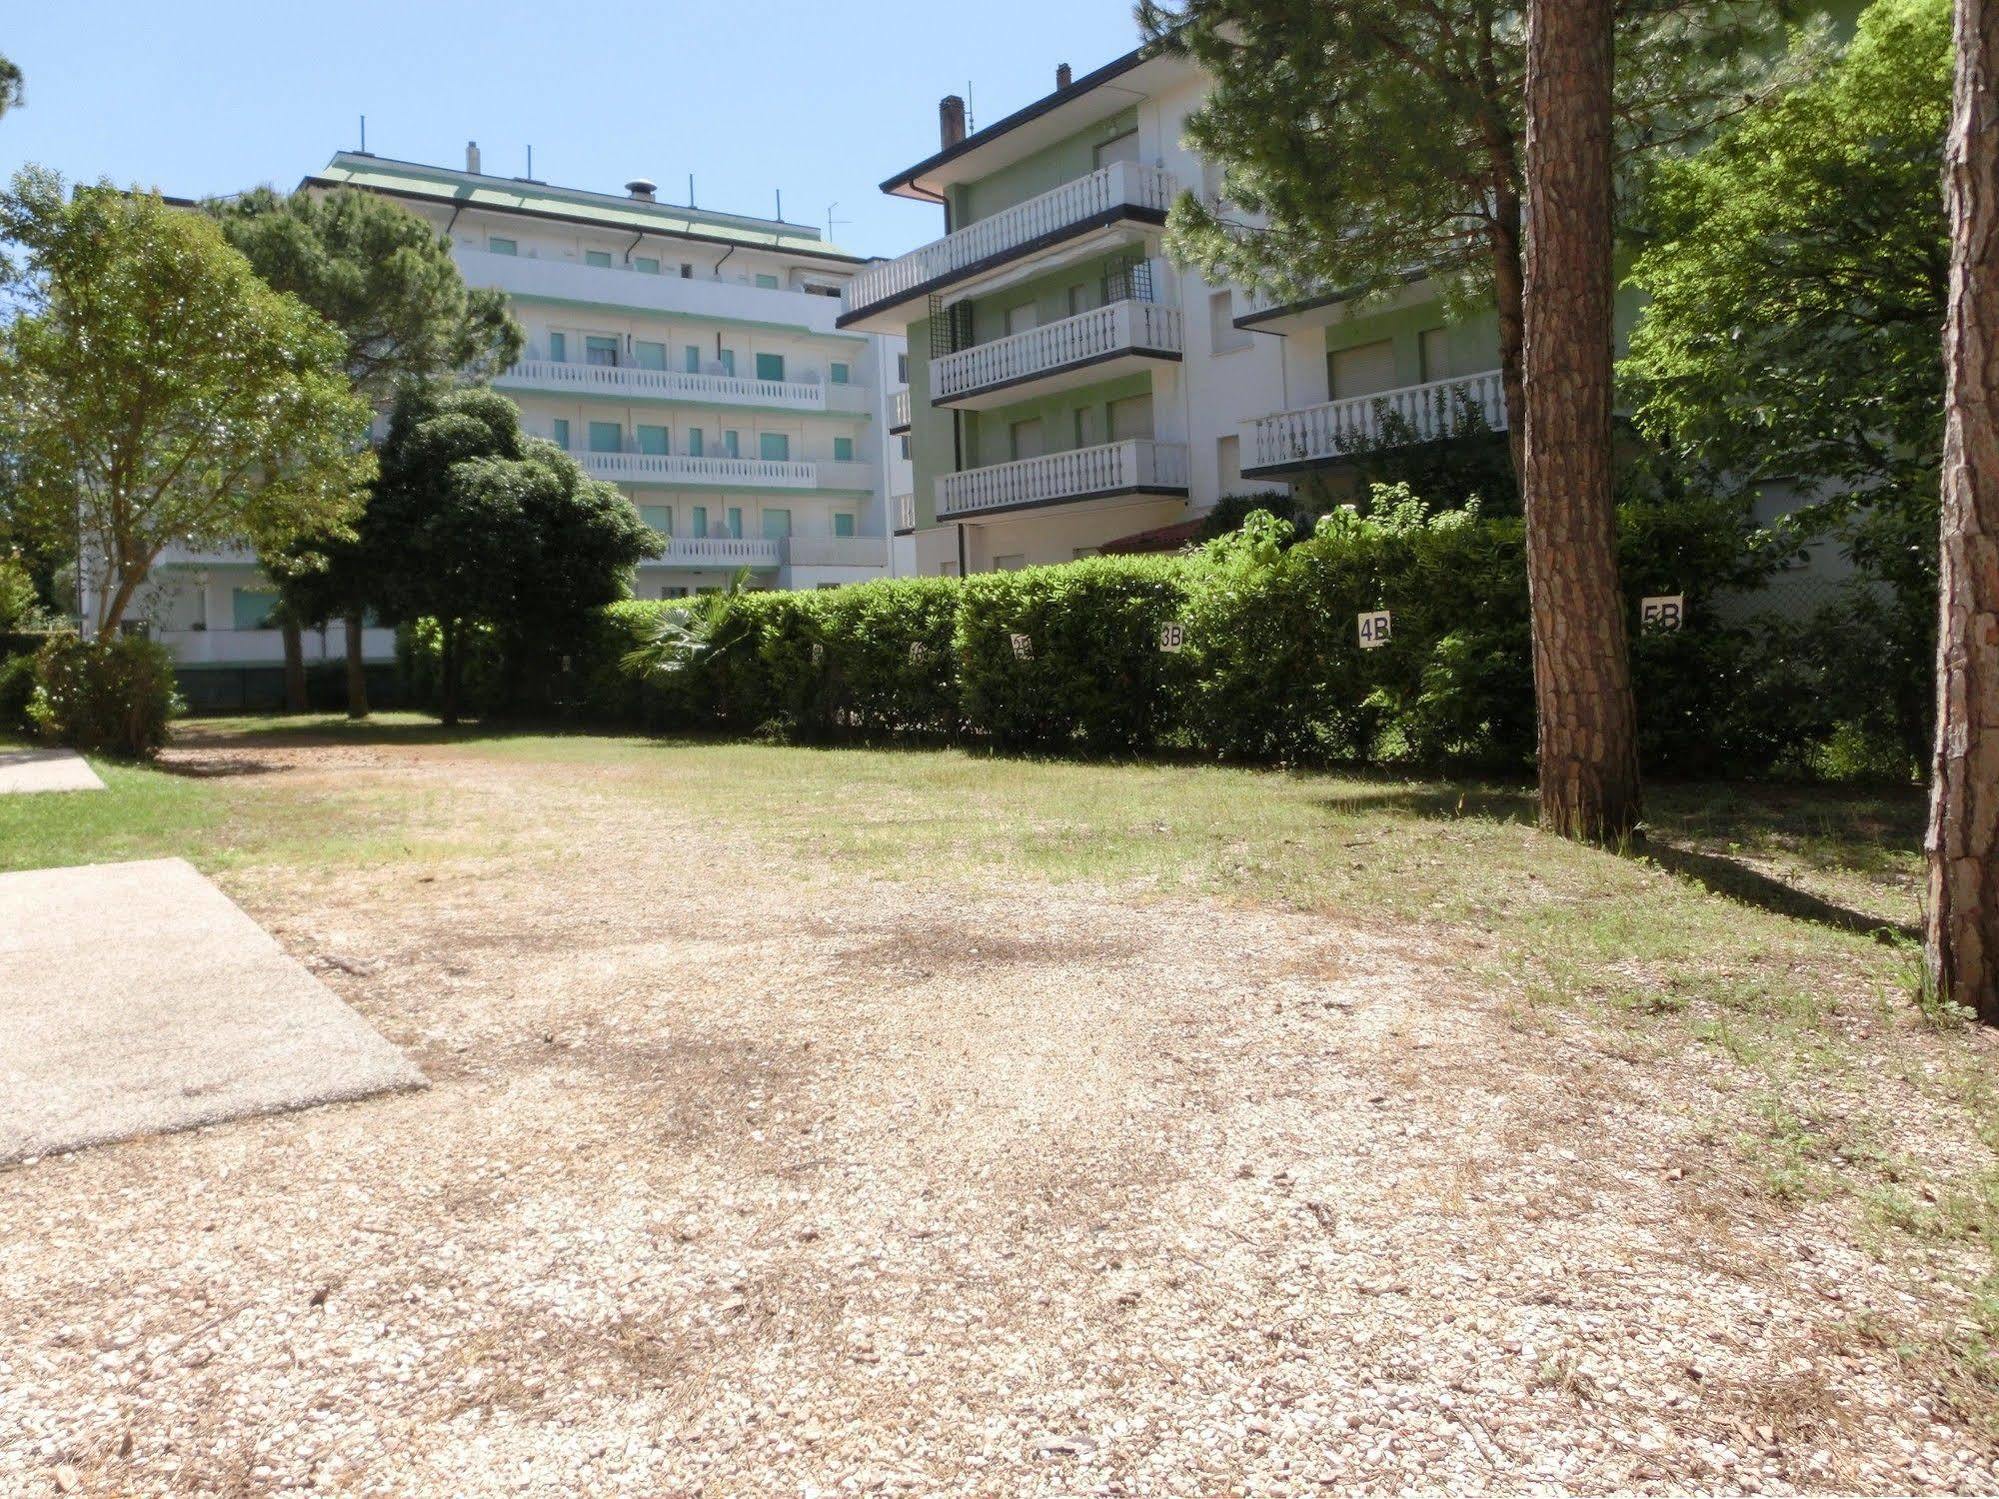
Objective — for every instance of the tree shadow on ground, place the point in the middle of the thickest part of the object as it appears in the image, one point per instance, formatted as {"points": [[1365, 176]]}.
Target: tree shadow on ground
{"points": [[1733, 880]]}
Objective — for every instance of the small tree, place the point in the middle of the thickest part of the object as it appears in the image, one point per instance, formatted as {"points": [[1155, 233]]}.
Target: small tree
{"points": [[386, 279], [473, 523], [1370, 141], [155, 391]]}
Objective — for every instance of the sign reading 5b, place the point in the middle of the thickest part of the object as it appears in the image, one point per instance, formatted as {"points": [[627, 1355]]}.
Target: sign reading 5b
{"points": [[1666, 612], [1376, 626]]}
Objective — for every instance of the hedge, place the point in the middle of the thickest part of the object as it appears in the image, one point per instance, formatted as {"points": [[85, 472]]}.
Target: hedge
{"points": [[1249, 650], [103, 696]]}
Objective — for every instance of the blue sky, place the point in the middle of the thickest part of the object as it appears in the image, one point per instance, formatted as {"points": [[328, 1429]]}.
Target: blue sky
{"points": [[820, 100]]}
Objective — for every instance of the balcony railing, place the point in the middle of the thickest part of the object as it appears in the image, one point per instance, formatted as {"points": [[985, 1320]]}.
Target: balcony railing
{"points": [[898, 409], [1136, 464], [1102, 196], [1118, 328], [836, 551], [1410, 413], [667, 385], [719, 551], [675, 468], [905, 512]]}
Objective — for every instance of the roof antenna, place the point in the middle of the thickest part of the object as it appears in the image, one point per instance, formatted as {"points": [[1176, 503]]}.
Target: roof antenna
{"points": [[970, 124], [364, 135], [831, 237], [690, 189], [530, 163], [780, 204]]}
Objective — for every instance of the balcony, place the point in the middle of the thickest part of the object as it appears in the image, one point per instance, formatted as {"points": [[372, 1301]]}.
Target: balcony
{"points": [[1099, 345], [1075, 215], [904, 507], [836, 551], [724, 552], [1136, 466], [625, 383], [536, 280], [713, 473], [898, 411], [1410, 413], [267, 647]]}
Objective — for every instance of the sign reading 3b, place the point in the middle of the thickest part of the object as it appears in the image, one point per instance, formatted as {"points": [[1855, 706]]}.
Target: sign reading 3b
{"points": [[1376, 626], [1666, 612]]}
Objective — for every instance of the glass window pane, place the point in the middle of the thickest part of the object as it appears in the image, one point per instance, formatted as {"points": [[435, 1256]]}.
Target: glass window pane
{"points": [[561, 432], [251, 608], [606, 437], [732, 444], [843, 449], [558, 347], [690, 359], [654, 440], [599, 258], [498, 246], [841, 373], [728, 361], [647, 264], [736, 522], [843, 523], [767, 283], [700, 520], [777, 524], [770, 366], [694, 442], [599, 350], [774, 447]]}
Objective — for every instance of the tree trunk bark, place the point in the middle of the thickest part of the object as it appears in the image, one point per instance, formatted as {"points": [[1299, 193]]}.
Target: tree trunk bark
{"points": [[1962, 940], [447, 689], [1508, 296], [1588, 742], [294, 660], [357, 669]]}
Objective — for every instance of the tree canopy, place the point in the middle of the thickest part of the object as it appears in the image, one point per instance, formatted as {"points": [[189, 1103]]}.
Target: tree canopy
{"points": [[474, 523], [154, 390], [11, 95], [1373, 141], [382, 276], [1796, 281]]}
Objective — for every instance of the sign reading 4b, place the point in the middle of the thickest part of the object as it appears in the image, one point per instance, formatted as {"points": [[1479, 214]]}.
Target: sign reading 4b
{"points": [[1666, 612], [1376, 626]]}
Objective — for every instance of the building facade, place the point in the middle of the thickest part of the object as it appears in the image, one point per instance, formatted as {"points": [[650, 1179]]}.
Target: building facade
{"points": [[687, 356]]}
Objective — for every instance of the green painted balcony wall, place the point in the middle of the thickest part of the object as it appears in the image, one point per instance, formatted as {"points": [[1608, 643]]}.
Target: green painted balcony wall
{"points": [[1043, 171], [1049, 294], [989, 434]]}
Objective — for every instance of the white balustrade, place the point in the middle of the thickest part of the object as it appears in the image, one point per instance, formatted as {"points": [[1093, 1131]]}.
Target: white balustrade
{"points": [[898, 408], [1414, 413], [1137, 463], [1117, 328], [905, 512], [669, 385], [718, 551], [676, 468], [1118, 185]]}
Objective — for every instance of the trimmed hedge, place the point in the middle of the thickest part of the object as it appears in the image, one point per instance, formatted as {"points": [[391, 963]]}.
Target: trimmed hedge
{"points": [[1071, 659]]}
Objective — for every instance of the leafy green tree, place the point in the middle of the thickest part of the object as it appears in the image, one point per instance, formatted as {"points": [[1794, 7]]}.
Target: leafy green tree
{"points": [[473, 523], [154, 390], [11, 95], [1373, 141], [385, 279], [1796, 282]]}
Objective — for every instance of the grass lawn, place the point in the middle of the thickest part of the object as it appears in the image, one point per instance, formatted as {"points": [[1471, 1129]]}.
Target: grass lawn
{"points": [[1765, 933]]}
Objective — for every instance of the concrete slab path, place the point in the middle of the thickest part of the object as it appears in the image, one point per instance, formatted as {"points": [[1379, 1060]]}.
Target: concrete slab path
{"points": [[138, 998], [46, 770]]}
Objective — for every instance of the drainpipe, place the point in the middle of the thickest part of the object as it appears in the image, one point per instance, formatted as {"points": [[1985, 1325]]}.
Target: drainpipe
{"points": [[633, 245], [724, 261]]}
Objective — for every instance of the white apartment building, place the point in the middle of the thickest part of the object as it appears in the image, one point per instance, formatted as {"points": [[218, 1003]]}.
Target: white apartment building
{"points": [[690, 357]]}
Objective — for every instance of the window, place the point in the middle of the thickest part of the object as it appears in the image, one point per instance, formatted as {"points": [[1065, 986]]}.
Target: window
{"points": [[1020, 319], [1228, 464], [654, 440], [843, 523], [770, 366], [841, 374], [904, 440], [1224, 337], [674, 591], [732, 445], [843, 450], [766, 282], [496, 245], [561, 432], [599, 258], [902, 369], [736, 522], [700, 520], [690, 359], [1024, 439], [659, 517], [1361, 371], [1086, 426], [606, 437], [686, 271], [646, 263], [1079, 299], [251, 608], [649, 356], [774, 447], [1131, 417], [558, 347], [694, 442], [728, 358], [777, 524], [1433, 351], [599, 349], [1013, 562]]}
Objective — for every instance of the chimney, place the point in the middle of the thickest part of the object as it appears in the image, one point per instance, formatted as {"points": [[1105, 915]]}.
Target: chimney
{"points": [[642, 189], [950, 120], [1063, 77], [472, 157]]}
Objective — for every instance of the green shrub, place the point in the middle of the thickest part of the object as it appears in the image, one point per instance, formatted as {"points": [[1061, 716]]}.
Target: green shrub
{"points": [[17, 687], [104, 697], [1069, 658]]}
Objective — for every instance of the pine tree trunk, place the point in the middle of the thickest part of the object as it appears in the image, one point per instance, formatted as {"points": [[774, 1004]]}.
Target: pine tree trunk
{"points": [[294, 661], [1963, 843], [1508, 296], [1588, 743], [357, 669]]}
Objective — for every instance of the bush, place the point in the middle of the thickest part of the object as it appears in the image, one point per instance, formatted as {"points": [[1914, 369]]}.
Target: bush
{"points": [[104, 696]]}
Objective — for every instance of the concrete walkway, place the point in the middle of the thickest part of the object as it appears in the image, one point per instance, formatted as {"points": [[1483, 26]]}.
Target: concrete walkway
{"points": [[46, 770], [138, 998]]}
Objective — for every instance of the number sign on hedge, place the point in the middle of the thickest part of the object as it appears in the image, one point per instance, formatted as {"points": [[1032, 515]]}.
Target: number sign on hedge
{"points": [[1666, 612], [917, 650], [1023, 647], [1375, 628], [1172, 635]]}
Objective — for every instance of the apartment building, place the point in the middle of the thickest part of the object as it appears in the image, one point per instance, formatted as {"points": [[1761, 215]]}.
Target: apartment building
{"points": [[688, 356]]}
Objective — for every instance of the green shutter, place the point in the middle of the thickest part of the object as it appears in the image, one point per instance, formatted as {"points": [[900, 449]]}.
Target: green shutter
{"points": [[770, 366], [607, 437], [732, 444], [650, 356], [599, 258], [841, 374], [558, 347], [843, 449], [728, 361], [495, 245], [599, 349], [695, 442], [647, 264], [654, 440], [843, 523], [691, 359], [561, 432], [777, 524], [774, 447], [736, 522], [700, 520], [659, 517], [766, 282]]}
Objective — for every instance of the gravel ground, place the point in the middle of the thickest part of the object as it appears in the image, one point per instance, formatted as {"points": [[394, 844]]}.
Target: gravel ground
{"points": [[788, 1181]]}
